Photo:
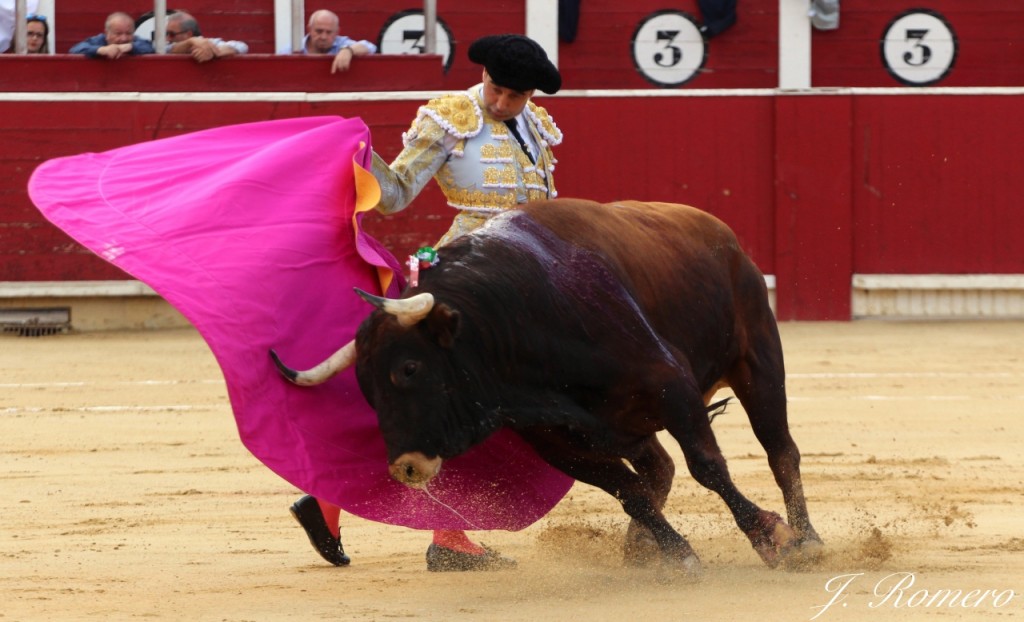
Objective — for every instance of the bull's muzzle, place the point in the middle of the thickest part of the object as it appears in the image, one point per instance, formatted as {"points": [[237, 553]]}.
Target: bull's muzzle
{"points": [[414, 469]]}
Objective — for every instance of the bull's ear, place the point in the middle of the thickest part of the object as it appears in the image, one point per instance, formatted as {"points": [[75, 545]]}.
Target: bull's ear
{"points": [[445, 323]]}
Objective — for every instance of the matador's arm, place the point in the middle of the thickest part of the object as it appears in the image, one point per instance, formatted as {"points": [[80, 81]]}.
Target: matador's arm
{"points": [[427, 148]]}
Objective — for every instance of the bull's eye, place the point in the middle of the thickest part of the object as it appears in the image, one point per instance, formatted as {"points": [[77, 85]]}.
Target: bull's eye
{"points": [[404, 374]]}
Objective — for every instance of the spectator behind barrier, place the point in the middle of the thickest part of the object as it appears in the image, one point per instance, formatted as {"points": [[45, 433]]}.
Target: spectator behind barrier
{"points": [[184, 37], [37, 34], [322, 38], [117, 39], [7, 21]]}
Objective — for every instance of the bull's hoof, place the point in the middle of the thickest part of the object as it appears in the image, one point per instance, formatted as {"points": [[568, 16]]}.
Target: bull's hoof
{"points": [[772, 538], [675, 569], [640, 548], [443, 559], [805, 554]]}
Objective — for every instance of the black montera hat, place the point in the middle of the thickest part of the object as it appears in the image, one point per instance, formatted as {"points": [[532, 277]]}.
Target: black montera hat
{"points": [[516, 62]]}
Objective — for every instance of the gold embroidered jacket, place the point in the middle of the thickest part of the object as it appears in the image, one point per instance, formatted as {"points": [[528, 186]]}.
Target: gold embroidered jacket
{"points": [[476, 162]]}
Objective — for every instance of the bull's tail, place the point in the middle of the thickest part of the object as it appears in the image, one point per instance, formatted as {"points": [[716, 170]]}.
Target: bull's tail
{"points": [[717, 408]]}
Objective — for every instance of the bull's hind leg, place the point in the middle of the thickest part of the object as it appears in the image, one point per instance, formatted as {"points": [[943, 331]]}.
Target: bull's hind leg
{"points": [[576, 457], [690, 426], [654, 466], [760, 384]]}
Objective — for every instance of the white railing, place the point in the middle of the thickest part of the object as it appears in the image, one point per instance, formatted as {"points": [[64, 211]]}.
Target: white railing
{"points": [[20, 39]]}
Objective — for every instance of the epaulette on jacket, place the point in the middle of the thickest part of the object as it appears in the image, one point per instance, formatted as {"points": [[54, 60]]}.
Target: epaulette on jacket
{"points": [[457, 113]]}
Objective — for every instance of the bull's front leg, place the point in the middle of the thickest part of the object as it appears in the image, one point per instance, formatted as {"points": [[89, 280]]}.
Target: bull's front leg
{"points": [[676, 552], [576, 457], [654, 465]]}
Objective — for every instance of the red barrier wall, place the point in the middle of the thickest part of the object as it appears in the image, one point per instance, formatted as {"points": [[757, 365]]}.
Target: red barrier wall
{"points": [[938, 184], [818, 186], [249, 73], [813, 208]]}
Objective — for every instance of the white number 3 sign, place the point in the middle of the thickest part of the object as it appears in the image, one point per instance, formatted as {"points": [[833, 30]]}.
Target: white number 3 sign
{"points": [[919, 47], [668, 48]]}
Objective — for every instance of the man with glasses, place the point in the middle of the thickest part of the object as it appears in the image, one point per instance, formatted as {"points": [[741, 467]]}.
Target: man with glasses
{"points": [[117, 40], [184, 37]]}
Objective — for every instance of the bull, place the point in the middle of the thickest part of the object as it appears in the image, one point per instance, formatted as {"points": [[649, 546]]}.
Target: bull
{"points": [[588, 328]]}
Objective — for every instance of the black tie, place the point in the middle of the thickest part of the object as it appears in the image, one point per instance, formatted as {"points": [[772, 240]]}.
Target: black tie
{"points": [[513, 127]]}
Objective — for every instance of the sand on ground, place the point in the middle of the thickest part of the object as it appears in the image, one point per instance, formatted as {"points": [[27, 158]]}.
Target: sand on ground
{"points": [[126, 495]]}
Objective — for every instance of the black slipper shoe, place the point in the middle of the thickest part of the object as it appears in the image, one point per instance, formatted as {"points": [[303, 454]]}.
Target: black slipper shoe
{"points": [[307, 512]]}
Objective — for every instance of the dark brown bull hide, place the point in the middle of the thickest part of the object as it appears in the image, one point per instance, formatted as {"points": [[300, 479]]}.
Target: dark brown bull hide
{"points": [[587, 328]]}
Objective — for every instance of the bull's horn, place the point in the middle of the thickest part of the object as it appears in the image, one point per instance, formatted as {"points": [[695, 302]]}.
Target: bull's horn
{"points": [[408, 310], [316, 375]]}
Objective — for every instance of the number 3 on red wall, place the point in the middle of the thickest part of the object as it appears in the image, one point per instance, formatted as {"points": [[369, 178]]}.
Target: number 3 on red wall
{"points": [[919, 47], [668, 49]]}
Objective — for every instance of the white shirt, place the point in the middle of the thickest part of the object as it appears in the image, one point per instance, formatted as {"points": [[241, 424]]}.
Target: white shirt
{"points": [[527, 135]]}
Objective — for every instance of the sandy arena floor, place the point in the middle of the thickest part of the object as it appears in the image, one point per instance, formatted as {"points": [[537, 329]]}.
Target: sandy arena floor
{"points": [[127, 495]]}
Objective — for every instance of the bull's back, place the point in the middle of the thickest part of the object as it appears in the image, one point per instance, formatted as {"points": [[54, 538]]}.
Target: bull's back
{"points": [[650, 243], [684, 267]]}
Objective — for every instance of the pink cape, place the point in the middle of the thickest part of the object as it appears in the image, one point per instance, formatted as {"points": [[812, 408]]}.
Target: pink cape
{"points": [[252, 233]]}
